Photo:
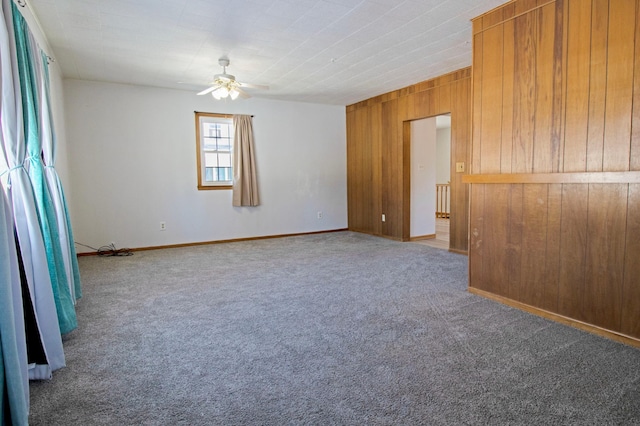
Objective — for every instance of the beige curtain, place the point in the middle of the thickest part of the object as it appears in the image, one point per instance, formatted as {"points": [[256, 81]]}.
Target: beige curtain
{"points": [[245, 181]]}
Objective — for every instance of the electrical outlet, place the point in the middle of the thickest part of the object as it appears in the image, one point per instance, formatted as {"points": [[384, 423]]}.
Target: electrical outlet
{"points": [[163, 226], [319, 215], [384, 217]]}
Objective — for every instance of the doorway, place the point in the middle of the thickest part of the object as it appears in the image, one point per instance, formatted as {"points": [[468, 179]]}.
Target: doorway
{"points": [[430, 180]]}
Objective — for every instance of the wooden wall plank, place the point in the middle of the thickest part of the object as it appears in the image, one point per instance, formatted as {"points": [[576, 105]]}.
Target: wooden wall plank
{"points": [[631, 288], [543, 152], [491, 103], [402, 184], [507, 96], [476, 238], [617, 135], [573, 242], [523, 6], [634, 163], [477, 103], [524, 114], [375, 118], [443, 99], [577, 107], [390, 172], [514, 241], [605, 254], [405, 183], [597, 84], [460, 152], [534, 240], [494, 262], [558, 109], [352, 145], [551, 279]]}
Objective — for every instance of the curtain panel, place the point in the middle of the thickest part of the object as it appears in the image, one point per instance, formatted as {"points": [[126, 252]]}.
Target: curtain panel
{"points": [[54, 184], [245, 179], [23, 203], [29, 62], [14, 375]]}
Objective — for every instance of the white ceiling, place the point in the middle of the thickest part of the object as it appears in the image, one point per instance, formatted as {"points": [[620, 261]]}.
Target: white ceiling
{"points": [[324, 51]]}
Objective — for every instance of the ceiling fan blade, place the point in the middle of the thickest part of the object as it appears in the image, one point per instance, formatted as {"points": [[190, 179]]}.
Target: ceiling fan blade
{"points": [[209, 90], [242, 93], [254, 86]]}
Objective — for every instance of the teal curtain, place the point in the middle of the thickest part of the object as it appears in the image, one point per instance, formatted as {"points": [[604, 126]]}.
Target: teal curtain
{"points": [[27, 61], [21, 197], [55, 186]]}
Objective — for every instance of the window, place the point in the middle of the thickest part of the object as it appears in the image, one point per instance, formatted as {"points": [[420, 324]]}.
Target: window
{"points": [[214, 134]]}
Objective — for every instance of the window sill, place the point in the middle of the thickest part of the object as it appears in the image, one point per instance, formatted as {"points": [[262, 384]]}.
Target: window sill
{"points": [[206, 188]]}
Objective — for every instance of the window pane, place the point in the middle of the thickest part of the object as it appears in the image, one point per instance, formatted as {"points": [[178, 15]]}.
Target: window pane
{"points": [[224, 160], [210, 159], [208, 174], [225, 131], [224, 144], [210, 144]]}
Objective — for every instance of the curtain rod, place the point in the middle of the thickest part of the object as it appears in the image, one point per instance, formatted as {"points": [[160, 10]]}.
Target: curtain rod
{"points": [[219, 113], [23, 3]]}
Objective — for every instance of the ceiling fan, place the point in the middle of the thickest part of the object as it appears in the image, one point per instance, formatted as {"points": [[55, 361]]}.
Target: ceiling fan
{"points": [[225, 85]]}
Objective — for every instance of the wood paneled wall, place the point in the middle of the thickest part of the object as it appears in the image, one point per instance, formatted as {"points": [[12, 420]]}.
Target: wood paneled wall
{"points": [[378, 149], [555, 168]]}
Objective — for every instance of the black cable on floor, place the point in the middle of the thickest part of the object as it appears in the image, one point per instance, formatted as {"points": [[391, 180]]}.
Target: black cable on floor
{"points": [[109, 250]]}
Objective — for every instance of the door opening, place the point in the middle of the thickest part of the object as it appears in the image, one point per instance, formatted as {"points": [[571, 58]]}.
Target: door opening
{"points": [[430, 195]]}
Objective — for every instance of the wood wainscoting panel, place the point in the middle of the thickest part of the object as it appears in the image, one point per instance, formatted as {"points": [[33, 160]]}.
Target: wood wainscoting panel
{"points": [[496, 219], [534, 241], [476, 237], [631, 286], [377, 153], [573, 254], [555, 182], [514, 241], [605, 254]]}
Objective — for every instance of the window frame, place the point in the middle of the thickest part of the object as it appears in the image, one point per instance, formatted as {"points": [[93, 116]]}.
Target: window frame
{"points": [[202, 184]]}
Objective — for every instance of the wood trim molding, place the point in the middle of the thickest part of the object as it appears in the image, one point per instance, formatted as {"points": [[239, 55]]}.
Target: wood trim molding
{"points": [[503, 13], [462, 252], [233, 240], [595, 177], [422, 86], [423, 237], [612, 335]]}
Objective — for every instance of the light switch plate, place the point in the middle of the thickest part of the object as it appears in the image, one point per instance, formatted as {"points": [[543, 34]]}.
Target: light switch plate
{"points": [[460, 167]]}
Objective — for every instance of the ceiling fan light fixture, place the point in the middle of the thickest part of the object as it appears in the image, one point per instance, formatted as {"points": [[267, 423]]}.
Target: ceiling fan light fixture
{"points": [[225, 85]]}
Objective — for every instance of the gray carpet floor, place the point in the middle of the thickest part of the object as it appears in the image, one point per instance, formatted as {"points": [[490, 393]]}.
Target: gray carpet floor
{"points": [[339, 328]]}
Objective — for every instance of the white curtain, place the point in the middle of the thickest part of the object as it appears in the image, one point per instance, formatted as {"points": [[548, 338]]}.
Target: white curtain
{"points": [[14, 383], [55, 186], [245, 179], [22, 200]]}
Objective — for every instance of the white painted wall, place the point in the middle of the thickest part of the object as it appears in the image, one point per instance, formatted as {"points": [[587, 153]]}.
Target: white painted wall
{"points": [[423, 177], [132, 161], [443, 155]]}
